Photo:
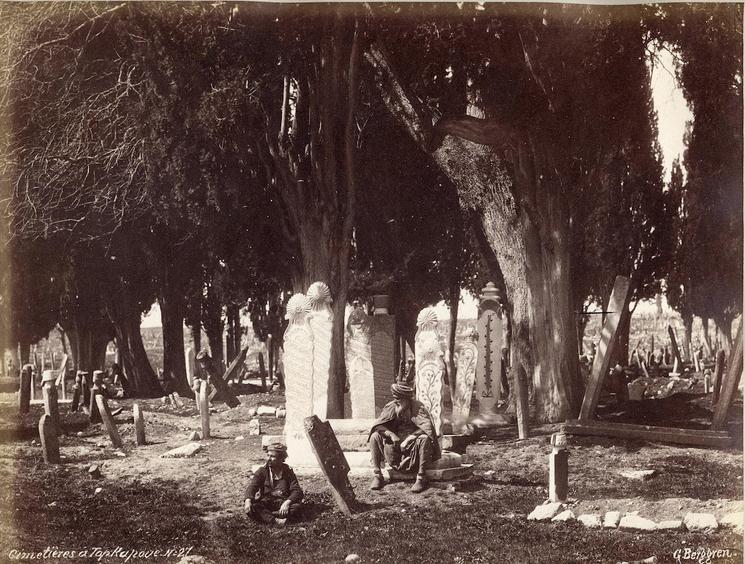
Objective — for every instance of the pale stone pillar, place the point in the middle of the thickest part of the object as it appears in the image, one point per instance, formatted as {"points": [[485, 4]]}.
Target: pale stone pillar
{"points": [[429, 366], [321, 320], [298, 375], [465, 359], [358, 358], [95, 415], [489, 363]]}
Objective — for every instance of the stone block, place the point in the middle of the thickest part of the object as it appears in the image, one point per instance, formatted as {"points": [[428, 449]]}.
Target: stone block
{"points": [[638, 474], [440, 475], [185, 451], [733, 520], [267, 410], [670, 525], [566, 515], [447, 460], [455, 443], [254, 427], [703, 522], [546, 511], [590, 520], [631, 522], [611, 519]]}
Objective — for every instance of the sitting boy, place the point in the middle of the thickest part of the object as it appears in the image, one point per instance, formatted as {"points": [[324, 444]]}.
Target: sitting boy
{"points": [[274, 494]]}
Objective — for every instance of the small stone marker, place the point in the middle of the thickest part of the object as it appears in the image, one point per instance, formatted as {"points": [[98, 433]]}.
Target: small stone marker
{"points": [[194, 436], [51, 407], [49, 442], [262, 371], [176, 399], [24, 396], [281, 413], [108, 421], [185, 451], [638, 474], [612, 519], [191, 365], [204, 409], [632, 522], [546, 511], [590, 520], [352, 558], [704, 522], [267, 410], [558, 468], [93, 405], [254, 427], [331, 460], [139, 424], [94, 471]]}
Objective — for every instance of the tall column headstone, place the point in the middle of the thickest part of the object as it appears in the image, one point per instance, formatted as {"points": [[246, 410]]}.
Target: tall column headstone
{"points": [[465, 359], [191, 365], [24, 396], [429, 366], [321, 321], [490, 339], [558, 468], [298, 373], [51, 406], [204, 408], [358, 353], [383, 351]]}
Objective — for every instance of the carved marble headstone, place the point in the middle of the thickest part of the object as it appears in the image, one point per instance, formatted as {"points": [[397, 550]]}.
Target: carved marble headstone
{"points": [[331, 460], [357, 352], [298, 361], [465, 359], [320, 319], [429, 366], [383, 352], [489, 364]]}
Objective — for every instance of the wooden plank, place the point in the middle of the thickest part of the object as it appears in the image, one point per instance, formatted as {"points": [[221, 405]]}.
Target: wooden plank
{"points": [[331, 460], [618, 312], [676, 351], [233, 369], [697, 437], [729, 384]]}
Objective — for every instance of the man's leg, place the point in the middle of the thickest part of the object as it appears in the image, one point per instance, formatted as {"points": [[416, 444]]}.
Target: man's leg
{"points": [[376, 444], [261, 513], [424, 447]]}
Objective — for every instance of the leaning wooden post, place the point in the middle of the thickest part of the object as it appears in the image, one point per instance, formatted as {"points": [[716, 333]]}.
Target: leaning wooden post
{"points": [[108, 420], [48, 438], [93, 406], [729, 384], [50, 399], [204, 409], [718, 371], [24, 395], [676, 350], [617, 313], [139, 424]]}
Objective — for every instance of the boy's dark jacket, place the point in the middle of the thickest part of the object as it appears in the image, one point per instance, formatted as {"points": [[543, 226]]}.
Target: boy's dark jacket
{"points": [[260, 485]]}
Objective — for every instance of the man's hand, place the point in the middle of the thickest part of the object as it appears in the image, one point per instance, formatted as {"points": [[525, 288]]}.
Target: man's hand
{"points": [[393, 437], [247, 506], [407, 441], [284, 509]]}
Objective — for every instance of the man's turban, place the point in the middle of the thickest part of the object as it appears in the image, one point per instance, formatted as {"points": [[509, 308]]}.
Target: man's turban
{"points": [[402, 391]]}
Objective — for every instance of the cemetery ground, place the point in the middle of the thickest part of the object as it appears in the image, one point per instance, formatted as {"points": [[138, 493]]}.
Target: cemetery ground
{"points": [[146, 502]]}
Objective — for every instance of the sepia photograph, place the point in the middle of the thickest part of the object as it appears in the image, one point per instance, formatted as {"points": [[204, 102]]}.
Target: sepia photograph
{"points": [[371, 282]]}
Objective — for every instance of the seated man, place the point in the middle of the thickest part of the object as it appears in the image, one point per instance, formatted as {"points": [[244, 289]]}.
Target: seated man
{"points": [[274, 493], [404, 437]]}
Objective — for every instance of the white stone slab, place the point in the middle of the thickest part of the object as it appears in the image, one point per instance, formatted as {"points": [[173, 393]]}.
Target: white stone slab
{"points": [[429, 366], [638, 474], [321, 321], [704, 522], [566, 515], [546, 512], [466, 359], [732, 520], [670, 525], [631, 522], [590, 520], [611, 519], [185, 451]]}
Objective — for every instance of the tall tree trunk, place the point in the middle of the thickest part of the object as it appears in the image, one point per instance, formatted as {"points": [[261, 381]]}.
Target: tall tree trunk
{"points": [[454, 299], [233, 343], [174, 360], [687, 336], [196, 337], [706, 336], [25, 353], [724, 328], [527, 226]]}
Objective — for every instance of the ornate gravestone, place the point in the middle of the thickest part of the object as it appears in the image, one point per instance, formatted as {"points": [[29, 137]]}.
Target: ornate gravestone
{"points": [[320, 320], [383, 351], [429, 366], [331, 460], [358, 354], [465, 359], [298, 365], [489, 363]]}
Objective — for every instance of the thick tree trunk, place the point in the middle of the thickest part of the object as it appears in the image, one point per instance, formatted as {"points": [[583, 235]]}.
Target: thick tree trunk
{"points": [[139, 373], [196, 337], [174, 360], [214, 328], [706, 336], [724, 329], [233, 341], [88, 341], [25, 353], [687, 336]]}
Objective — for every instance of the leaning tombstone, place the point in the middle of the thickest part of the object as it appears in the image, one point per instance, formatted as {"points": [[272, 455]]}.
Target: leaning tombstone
{"points": [[108, 421], [429, 366], [49, 441], [332, 462], [51, 406], [139, 424], [321, 321], [24, 395], [465, 377]]}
